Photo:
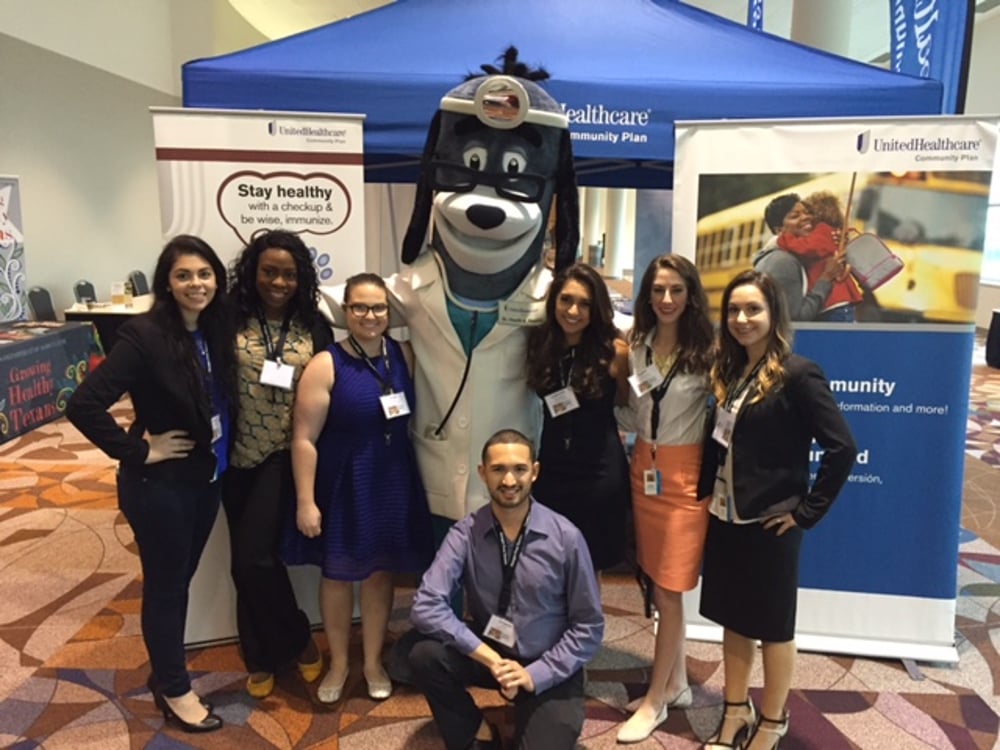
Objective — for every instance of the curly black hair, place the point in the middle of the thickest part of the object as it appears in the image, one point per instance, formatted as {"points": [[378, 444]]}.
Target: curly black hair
{"points": [[243, 277]]}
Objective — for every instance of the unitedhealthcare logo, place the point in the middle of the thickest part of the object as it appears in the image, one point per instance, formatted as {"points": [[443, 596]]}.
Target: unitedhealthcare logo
{"points": [[937, 148], [275, 128]]}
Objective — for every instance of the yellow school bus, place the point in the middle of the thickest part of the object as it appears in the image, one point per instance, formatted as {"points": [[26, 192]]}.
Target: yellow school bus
{"points": [[934, 221]]}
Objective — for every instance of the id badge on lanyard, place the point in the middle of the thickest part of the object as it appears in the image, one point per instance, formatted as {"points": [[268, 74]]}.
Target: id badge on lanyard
{"points": [[394, 405], [277, 374], [725, 421], [562, 402], [645, 380]]}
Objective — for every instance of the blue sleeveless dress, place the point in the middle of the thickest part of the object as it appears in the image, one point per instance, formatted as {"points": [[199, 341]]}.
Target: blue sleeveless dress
{"points": [[373, 505]]}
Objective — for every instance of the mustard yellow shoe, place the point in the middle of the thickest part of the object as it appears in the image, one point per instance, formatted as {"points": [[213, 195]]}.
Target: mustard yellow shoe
{"points": [[311, 670], [260, 684]]}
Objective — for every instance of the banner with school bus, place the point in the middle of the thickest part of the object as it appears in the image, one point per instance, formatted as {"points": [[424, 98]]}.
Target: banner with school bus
{"points": [[876, 228]]}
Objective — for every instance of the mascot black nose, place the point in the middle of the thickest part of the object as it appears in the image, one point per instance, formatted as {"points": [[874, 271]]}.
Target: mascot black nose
{"points": [[485, 217]]}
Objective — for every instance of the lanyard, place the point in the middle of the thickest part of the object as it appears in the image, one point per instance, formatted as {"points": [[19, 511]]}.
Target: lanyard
{"points": [[206, 366], [657, 395], [510, 553], [385, 382], [274, 352], [731, 397], [565, 376]]}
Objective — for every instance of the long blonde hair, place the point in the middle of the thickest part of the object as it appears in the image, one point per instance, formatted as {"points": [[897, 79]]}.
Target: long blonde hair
{"points": [[732, 357]]}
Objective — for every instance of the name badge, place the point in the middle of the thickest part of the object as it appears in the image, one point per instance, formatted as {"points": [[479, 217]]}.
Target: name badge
{"points": [[521, 312], [394, 405], [277, 374], [561, 402], [216, 427], [501, 630], [645, 380], [652, 483], [725, 420]]}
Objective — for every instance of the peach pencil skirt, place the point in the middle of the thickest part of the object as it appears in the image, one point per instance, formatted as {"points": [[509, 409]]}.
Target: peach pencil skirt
{"points": [[670, 527]]}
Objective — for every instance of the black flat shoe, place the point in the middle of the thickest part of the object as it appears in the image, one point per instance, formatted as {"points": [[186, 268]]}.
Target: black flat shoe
{"points": [[209, 724]]}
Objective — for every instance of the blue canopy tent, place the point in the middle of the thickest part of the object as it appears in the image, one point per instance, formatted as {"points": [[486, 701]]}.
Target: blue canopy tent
{"points": [[626, 72]]}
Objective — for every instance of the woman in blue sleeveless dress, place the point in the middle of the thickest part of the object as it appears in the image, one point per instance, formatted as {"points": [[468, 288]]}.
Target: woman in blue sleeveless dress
{"points": [[362, 511]]}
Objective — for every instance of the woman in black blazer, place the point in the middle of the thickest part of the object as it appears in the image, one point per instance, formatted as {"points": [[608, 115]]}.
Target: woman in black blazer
{"points": [[771, 405], [177, 363]]}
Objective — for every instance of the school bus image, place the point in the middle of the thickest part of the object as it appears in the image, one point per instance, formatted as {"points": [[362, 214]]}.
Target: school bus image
{"points": [[934, 221]]}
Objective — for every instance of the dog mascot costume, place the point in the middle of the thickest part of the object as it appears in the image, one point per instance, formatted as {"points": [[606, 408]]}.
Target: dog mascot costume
{"points": [[497, 154]]}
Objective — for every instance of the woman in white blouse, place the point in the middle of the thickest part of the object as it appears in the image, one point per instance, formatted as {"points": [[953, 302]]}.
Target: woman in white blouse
{"points": [[671, 346]]}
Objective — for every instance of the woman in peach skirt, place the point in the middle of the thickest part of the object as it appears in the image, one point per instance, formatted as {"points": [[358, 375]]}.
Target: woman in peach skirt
{"points": [[670, 356]]}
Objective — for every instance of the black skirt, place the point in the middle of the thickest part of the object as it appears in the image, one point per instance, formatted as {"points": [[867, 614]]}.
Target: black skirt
{"points": [[750, 579]]}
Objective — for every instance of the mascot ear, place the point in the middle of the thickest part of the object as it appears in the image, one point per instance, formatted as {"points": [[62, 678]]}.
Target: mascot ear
{"points": [[416, 233], [567, 207]]}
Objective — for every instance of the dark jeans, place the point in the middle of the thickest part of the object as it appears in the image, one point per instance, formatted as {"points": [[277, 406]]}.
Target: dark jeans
{"points": [[272, 628], [171, 521], [550, 721]]}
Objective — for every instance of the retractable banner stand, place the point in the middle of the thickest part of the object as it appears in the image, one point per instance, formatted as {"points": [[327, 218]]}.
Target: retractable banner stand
{"points": [[13, 299], [878, 573], [225, 175]]}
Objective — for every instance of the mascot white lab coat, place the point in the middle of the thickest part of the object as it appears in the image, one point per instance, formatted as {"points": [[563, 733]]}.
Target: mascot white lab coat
{"points": [[494, 396], [497, 154]]}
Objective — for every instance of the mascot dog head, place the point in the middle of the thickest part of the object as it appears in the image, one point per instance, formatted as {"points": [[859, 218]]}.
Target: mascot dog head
{"points": [[496, 153]]}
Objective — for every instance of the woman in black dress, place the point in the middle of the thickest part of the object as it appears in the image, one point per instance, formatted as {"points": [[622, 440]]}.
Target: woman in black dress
{"points": [[578, 364], [772, 404]]}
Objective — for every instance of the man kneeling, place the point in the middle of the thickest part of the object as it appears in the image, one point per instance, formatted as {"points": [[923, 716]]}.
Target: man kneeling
{"points": [[534, 608]]}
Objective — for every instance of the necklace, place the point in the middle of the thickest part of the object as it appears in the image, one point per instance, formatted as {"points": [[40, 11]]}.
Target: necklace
{"points": [[664, 362]]}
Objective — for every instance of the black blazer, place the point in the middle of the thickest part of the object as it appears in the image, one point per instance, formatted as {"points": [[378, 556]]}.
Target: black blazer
{"points": [[163, 398], [771, 441]]}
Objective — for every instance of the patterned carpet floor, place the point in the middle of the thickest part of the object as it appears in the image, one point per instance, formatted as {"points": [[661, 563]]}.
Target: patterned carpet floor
{"points": [[73, 668]]}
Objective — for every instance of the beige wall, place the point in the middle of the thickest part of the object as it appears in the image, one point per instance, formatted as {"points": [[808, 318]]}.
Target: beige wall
{"points": [[82, 144]]}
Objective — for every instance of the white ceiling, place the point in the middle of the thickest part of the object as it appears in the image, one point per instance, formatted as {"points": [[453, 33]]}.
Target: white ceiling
{"points": [[868, 38]]}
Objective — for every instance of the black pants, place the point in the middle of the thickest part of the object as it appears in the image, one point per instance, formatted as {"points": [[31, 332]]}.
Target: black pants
{"points": [[272, 628], [171, 521], [550, 721]]}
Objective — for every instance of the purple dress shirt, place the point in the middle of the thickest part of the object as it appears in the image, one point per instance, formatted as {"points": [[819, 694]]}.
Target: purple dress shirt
{"points": [[555, 601]]}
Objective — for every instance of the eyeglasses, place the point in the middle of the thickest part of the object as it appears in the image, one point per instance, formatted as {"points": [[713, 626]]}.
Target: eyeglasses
{"points": [[520, 186], [359, 310]]}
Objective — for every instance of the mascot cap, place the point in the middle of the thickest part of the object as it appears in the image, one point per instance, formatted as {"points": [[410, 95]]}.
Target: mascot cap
{"points": [[504, 102]]}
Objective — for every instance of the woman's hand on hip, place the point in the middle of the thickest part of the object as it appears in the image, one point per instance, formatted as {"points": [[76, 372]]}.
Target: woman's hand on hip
{"points": [[782, 523], [308, 519], [168, 445]]}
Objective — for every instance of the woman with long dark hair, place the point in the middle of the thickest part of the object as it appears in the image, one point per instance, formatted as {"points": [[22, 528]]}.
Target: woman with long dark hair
{"points": [[279, 328], [178, 365], [671, 346], [577, 364], [771, 405]]}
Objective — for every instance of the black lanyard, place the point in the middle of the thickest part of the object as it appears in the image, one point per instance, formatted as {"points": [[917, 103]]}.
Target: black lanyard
{"points": [[731, 397], [271, 351], [510, 553], [385, 382], [565, 376], [657, 395]]}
